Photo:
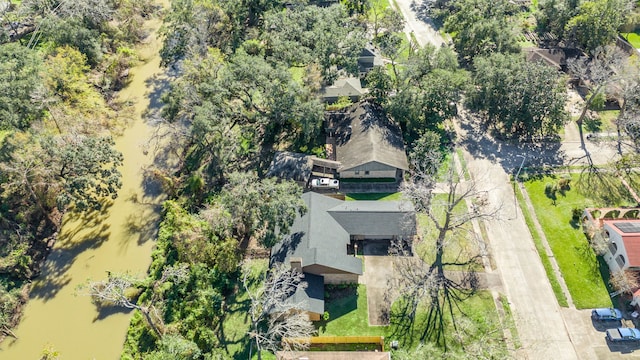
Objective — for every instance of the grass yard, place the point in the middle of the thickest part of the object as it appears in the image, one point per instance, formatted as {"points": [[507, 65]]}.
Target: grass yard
{"points": [[579, 265], [463, 163], [445, 167], [236, 323], [632, 38], [546, 263], [604, 122], [349, 317], [297, 73], [460, 246], [375, 196]]}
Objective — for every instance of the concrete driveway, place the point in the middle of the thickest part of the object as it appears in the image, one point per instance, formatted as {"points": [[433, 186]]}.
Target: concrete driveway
{"points": [[377, 272], [589, 337]]}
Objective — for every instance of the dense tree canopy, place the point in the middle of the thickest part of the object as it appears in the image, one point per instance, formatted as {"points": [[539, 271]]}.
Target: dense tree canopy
{"points": [[326, 36], [518, 98], [264, 209], [19, 82], [481, 28], [430, 86], [597, 22], [56, 121]]}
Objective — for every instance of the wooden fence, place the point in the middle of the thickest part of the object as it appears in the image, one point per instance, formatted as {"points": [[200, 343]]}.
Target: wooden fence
{"points": [[378, 340]]}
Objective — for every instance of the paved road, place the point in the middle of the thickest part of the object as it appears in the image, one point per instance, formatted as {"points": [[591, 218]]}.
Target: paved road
{"points": [[543, 327], [537, 315], [418, 24]]}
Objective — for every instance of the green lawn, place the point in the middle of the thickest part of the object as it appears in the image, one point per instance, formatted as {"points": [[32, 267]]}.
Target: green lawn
{"points": [[463, 163], [297, 73], [546, 263], [581, 270], [349, 317], [375, 196], [236, 323], [604, 122], [632, 38], [460, 246]]}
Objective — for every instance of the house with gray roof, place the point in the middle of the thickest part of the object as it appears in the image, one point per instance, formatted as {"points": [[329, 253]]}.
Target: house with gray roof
{"points": [[369, 144], [321, 242], [350, 87], [368, 59]]}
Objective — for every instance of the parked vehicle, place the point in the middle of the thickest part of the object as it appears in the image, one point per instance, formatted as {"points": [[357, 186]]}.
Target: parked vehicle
{"points": [[325, 182], [606, 314], [623, 334]]}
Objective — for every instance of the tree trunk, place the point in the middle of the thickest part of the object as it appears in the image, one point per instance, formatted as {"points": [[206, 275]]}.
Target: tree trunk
{"points": [[147, 316], [583, 114], [620, 116]]}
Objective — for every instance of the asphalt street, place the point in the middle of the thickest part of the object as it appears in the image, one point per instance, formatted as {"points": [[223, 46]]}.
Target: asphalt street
{"points": [[539, 320]]}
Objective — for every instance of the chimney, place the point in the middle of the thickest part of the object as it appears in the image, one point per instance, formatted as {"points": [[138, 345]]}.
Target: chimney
{"points": [[296, 263]]}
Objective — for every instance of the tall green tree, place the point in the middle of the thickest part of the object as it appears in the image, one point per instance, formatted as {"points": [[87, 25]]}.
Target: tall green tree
{"points": [[20, 79], [597, 22], [327, 36], [429, 87], [553, 15], [482, 27], [518, 98], [86, 167], [262, 208], [194, 25]]}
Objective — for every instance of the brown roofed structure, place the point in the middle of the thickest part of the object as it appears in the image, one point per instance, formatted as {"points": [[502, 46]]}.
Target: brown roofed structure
{"points": [[365, 135]]}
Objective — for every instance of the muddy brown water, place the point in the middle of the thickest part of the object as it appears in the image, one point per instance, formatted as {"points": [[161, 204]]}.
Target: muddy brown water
{"points": [[58, 315]]}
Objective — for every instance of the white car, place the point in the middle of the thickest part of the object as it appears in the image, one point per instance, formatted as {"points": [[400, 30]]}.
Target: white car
{"points": [[325, 183]]}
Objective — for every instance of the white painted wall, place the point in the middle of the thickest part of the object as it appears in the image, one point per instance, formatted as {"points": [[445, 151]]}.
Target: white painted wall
{"points": [[610, 256]]}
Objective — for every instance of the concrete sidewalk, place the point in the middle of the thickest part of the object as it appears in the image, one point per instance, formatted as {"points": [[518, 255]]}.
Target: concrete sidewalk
{"points": [[537, 315]]}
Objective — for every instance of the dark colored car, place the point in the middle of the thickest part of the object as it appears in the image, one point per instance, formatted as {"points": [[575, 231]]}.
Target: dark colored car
{"points": [[623, 334], [606, 314]]}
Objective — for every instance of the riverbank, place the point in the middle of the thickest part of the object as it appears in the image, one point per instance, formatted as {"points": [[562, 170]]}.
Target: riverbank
{"points": [[117, 239]]}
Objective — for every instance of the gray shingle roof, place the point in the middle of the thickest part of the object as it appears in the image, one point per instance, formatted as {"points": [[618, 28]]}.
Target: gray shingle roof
{"points": [[320, 237], [311, 298], [376, 218], [344, 87], [291, 166], [365, 134], [317, 238]]}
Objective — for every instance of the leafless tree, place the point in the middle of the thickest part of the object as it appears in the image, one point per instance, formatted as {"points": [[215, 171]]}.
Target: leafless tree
{"points": [[597, 72], [624, 281], [627, 90], [422, 280], [274, 316], [117, 288]]}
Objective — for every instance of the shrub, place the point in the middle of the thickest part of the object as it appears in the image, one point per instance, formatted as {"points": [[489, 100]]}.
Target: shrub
{"points": [[576, 213]]}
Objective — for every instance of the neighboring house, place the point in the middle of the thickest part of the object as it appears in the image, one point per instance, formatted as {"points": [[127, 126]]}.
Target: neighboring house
{"points": [[301, 167], [348, 86], [369, 144], [623, 236], [367, 147], [368, 59], [321, 242], [291, 166]]}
